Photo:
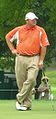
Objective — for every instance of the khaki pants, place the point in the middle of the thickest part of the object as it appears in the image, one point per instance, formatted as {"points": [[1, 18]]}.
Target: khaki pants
{"points": [[26, 69]]}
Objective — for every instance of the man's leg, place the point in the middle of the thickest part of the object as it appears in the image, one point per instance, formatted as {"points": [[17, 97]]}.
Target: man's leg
{"points": [[32, 70], [20, 70]]}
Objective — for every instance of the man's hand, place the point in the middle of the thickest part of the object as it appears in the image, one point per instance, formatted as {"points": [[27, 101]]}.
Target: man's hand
{"points": [[14, 51], [40, 65]]}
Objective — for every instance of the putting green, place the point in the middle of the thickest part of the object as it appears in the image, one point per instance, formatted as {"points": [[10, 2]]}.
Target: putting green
{"points": [[41, 109]]}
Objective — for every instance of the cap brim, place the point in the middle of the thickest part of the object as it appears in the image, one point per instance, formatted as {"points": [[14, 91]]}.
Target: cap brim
{"points": [[31, 18]]}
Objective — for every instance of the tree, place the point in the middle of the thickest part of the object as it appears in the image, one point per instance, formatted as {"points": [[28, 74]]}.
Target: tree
{"points": [[49, 11], [46, 11], [12, 14]]}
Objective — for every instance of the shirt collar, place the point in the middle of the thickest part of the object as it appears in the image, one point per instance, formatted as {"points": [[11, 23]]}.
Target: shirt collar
{"points": [[28, 28]]}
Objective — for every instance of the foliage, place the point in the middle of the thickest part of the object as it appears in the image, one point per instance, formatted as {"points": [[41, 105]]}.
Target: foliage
{"points": [[49, 11], [46, 12], [12, 13]]}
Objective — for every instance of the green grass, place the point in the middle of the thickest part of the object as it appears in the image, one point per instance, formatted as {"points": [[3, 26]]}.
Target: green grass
{"points": [[52, 77], [40, 110], [52, 81]]}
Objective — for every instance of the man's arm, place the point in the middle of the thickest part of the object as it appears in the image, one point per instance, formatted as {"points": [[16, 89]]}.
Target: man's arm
{"points": [[11, 46], [42, 56], [10, 37], [43, 44]]}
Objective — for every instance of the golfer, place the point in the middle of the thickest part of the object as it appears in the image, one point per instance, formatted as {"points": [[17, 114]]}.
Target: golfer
{"points": [[30, 51]]}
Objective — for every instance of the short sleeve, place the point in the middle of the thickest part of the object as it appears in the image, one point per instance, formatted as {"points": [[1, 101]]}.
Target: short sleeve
{"points": [[44, 39]]}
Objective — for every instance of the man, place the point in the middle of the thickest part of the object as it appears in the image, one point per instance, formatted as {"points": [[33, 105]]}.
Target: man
{"points": [[30, 52]]}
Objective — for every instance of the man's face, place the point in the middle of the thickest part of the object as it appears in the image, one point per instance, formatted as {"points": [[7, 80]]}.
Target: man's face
{"points": [[31, 23]]}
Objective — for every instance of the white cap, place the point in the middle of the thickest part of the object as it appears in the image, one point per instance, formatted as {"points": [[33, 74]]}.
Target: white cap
{"points": [[30, 16]]}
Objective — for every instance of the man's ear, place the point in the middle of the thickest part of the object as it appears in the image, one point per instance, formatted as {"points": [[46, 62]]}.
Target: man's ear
{"points": [[27, 21]]}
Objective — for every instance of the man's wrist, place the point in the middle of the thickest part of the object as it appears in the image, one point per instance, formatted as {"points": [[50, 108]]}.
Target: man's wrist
{"points": [[41, 61], [11, 49]]}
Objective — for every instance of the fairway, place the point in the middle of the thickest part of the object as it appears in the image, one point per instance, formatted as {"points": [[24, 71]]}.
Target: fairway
{"points": [[42, 109]]}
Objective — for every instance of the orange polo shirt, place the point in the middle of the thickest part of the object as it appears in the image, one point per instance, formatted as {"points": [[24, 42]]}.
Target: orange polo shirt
{"points": [[29, 40]]}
